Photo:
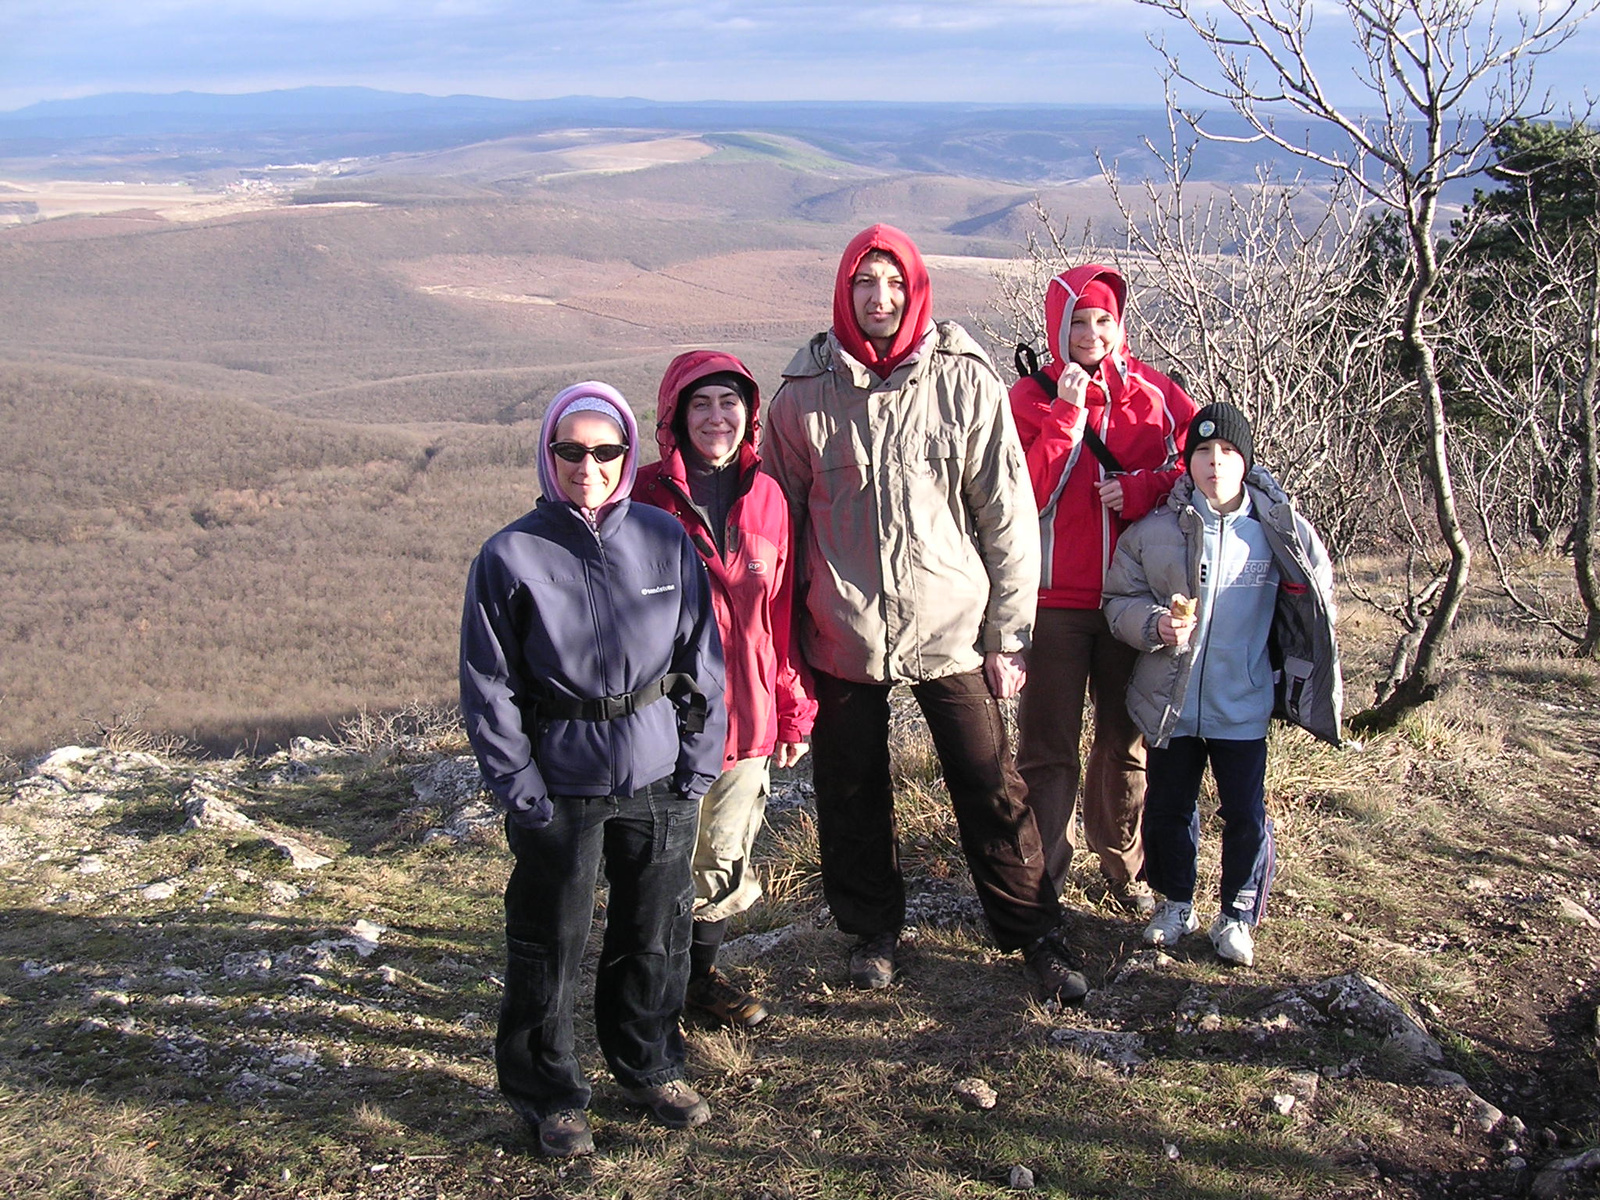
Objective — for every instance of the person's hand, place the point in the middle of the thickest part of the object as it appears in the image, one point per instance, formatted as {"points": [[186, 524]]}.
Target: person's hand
{"points": [[1004, 673], [1177, 624], [789, 753], [1111, 493], [1073, 385]]}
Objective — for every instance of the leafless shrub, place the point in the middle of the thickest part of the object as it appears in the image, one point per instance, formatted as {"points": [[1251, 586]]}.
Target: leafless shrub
{"points": [[416, 726], [126, 731], [1534, 367]]}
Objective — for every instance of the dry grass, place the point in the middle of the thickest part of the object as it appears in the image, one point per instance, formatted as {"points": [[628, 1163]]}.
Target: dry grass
{"points": [[332, 595], [140, 1040]]}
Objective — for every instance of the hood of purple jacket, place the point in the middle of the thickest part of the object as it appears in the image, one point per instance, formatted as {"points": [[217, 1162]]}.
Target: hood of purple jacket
{"points": [[564, 401]]}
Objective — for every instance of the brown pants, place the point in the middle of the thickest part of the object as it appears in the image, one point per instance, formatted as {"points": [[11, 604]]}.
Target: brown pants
{"points": [[1074, 650], [855, 807]]}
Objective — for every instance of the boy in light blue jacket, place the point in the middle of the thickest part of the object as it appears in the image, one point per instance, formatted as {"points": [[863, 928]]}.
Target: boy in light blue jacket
{"points": [[1230, 592]]}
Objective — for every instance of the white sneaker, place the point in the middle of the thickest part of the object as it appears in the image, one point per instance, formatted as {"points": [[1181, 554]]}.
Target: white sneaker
{"points": [[1172, 919], [1233, 940]]}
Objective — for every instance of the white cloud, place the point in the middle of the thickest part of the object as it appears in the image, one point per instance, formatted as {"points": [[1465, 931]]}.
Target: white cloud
{"points": [[1001, 50]]}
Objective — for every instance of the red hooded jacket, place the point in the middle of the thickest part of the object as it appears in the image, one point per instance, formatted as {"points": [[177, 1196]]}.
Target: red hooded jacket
{"points": [[1141, 416], [768, 691]]}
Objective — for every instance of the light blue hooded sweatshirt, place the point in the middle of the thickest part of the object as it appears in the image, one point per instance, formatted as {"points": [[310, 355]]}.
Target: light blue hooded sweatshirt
{"points": [[1230, 683]]}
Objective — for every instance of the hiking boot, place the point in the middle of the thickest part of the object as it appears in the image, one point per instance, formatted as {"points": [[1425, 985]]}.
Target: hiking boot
{"points": [[674, 1104], [1233, 940], [1133, 897], [565, 1134], [1054, 966], [872, 961], [1171, 920], [716, 996]]}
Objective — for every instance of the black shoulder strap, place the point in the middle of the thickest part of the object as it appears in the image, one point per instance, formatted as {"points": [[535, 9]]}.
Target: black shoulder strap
{"points": [[1101, 451], [1027, 363], [692, 701]]}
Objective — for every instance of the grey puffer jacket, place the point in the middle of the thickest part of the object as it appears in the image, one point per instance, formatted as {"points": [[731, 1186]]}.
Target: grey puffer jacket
{"points": [[1160, 555]]}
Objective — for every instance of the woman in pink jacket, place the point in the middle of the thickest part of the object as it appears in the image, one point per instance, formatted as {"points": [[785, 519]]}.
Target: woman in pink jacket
{"points": [[1103, 434], [710, 478]]}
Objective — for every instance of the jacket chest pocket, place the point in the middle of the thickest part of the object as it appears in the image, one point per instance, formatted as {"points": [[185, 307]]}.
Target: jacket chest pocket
{"points": [[939, 458], [843, 465], [933, 462]]}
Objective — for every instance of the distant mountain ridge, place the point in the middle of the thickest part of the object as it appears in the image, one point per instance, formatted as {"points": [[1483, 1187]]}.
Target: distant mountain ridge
{"points": [[190, 131]]}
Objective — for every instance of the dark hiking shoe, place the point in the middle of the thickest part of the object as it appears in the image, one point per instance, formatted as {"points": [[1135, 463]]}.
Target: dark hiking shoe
{"points": [[565, 1134], [872, 961], [1134, 897], [1054, 966], [674, 1104], [716, 996]]}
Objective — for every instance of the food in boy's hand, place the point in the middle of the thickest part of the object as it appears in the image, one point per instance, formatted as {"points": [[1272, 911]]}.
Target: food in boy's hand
{"points": [[1182, 607]]}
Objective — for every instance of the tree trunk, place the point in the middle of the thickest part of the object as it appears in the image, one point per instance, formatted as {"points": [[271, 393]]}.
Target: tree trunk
{"points": [[1589, 488], [1420, 685]]}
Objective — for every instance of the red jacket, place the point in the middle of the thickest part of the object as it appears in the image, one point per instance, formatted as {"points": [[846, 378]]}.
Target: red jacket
{"points": [[768, 691], [1141, 416]]}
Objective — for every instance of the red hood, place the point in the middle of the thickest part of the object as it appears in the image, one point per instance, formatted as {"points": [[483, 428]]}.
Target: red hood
{"points": [[1061, 297], [684, 370], [919, 298]]}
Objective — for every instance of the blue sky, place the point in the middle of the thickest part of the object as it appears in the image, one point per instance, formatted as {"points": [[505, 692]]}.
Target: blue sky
{"points": [[1052, 51]]}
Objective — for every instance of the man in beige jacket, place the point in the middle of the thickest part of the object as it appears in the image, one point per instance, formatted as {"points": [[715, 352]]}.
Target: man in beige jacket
{"points": [[918, 563]]}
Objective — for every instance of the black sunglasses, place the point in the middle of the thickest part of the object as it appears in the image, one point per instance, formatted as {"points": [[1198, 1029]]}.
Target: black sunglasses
{"points": [[573, 452]]}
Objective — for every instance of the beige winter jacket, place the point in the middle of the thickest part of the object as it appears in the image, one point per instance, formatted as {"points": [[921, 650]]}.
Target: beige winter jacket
{"points": [[915, 522]]}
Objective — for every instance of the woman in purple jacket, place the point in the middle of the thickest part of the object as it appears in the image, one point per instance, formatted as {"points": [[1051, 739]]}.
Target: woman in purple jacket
{"points": [[591, 684]]}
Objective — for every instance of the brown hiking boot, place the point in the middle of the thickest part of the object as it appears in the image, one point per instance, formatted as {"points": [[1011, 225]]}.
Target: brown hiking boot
{"points": [[872, 961], [674, 1104], [716, 996], [565, 1134], [1054, 966], [1133, 897]]}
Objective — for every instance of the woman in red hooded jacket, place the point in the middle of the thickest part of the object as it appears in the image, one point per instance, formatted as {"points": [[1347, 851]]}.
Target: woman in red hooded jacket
{"points": [[1087, 495], [709, 477]]}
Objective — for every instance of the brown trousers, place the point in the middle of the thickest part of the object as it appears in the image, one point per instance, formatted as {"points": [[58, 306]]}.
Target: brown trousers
{"points": [[855, 807], [1073, 651]]}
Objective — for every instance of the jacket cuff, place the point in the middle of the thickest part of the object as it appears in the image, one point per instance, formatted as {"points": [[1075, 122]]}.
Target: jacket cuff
{"points": [[1138, 494], [691, 785], [793, 731], [1152, 635], [523, 789], [1065, 414], [995, 641]]}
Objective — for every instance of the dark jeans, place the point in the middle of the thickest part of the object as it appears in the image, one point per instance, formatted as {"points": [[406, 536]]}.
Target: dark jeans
{"points": [[1073, 650], [855, 807], [647, 841], [1172, 821]]}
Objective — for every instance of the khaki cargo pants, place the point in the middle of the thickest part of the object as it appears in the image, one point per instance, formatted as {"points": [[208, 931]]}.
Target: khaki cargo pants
{"points": [[730, 817]]}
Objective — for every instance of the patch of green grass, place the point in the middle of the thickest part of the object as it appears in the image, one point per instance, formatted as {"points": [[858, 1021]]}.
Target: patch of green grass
{"points": [[755, 147]]}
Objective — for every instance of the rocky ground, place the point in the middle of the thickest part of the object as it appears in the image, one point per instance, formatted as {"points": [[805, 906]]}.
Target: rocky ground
{"points": [[279, 976]]}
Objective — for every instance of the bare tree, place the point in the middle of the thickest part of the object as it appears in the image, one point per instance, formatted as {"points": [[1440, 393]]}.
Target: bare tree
{"points": [[1442, 78], [1259, 295], [1537, 366], [1264, 296]]}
